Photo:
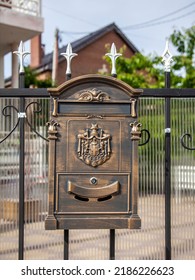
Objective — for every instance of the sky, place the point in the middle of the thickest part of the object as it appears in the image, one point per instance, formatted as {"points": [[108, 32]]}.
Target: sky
{"points": [[147, 24], [77, 18]]}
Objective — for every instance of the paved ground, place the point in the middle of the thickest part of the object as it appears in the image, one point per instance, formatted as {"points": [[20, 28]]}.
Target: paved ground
{"points": [[147, 243]]}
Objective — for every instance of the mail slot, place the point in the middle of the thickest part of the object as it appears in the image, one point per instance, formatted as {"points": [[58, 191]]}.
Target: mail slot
{"points": [[93, 155], [104, 108]]}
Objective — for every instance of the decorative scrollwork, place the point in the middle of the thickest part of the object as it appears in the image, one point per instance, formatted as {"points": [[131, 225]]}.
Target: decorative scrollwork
{"points": [[136, 131], [183, 143], [147, 139], [93, 94], [38, 110], [95, 116], [6, 114], [52, 130]]}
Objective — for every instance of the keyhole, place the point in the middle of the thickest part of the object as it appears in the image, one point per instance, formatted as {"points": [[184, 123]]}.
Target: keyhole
{"points": [[93, 181]]}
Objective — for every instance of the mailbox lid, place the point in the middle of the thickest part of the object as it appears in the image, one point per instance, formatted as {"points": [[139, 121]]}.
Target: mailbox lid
{"points": [[93, 193]]}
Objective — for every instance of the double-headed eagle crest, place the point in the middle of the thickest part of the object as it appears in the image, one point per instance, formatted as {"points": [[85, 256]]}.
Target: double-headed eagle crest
{"points": [[94, 146]]}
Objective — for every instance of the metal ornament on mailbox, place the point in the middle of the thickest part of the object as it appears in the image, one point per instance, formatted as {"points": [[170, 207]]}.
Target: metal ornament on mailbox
{"points": [[93, 154], [93, 147]]}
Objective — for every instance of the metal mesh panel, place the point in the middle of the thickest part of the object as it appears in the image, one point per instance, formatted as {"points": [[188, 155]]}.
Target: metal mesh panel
{"points": [[38, 243], [183, 180], [148, 243], [9, 180], [89, 244]]}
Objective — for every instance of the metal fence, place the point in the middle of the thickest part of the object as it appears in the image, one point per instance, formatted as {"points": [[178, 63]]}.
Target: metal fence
{"points": [[147, 243], [166, 182]]}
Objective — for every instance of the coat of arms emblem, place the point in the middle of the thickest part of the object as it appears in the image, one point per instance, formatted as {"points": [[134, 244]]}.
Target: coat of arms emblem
{"points": [[94, 146]]}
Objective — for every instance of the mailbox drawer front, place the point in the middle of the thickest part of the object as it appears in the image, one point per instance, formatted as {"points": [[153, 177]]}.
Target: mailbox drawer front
{"points": [[93, 193]]}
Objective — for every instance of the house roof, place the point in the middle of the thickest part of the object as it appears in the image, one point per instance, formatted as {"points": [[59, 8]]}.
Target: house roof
{"points": [[79, 44]]}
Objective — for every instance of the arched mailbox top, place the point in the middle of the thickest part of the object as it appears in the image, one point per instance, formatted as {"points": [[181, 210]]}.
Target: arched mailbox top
{"points": [[94, 88]]}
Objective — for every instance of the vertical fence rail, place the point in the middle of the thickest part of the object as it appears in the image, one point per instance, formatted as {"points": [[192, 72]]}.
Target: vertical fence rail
{"points": [[167, 60], [21, 116], [167, 171], [68, 56], [113, 56]]}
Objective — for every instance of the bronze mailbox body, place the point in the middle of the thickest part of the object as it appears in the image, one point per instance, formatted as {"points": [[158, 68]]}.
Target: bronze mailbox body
{"points": [[93, 155]]}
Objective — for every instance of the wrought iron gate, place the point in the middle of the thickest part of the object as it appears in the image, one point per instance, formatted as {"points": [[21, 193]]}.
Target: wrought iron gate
{"points": [[167, 182]]}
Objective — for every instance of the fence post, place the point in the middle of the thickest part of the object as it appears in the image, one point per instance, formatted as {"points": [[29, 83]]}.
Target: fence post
{"points": [[113, 56], [167, 60], [21, 169], [68, 56], [21, 115]]}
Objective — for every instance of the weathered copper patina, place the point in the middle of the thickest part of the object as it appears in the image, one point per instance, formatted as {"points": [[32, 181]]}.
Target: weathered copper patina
{"points": [[93, 155]]}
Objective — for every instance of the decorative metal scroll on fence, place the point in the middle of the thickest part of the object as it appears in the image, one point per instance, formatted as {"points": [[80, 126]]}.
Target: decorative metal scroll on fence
{"points": [[24, 165]]}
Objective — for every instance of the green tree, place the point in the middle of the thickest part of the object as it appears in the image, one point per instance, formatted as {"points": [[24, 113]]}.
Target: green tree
{"points": [[183, 65], [140, 71], [31, 80], [147, 71]]}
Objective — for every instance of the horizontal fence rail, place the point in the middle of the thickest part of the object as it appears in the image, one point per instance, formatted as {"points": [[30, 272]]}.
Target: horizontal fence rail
{"points": [[157, 93]]}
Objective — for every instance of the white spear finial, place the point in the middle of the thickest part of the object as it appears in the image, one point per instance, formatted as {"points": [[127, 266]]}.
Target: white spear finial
{"points": [[69, 55], [21, 53], [167, 57], [113, 56]]}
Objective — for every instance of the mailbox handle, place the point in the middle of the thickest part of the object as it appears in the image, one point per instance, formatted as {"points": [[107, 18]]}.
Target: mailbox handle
{"points": [[93, 192]]}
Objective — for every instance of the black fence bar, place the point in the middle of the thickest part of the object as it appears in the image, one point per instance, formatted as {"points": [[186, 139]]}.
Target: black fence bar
{"points": [[21, 116], [112, 231], [112, 244], [167, 170], [24, 92], [66, 244], [147, 92], [168, 92], [66, 231]]}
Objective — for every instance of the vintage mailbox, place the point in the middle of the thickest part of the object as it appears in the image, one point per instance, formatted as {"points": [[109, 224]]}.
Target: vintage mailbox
{"points": [[93, 155]]}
